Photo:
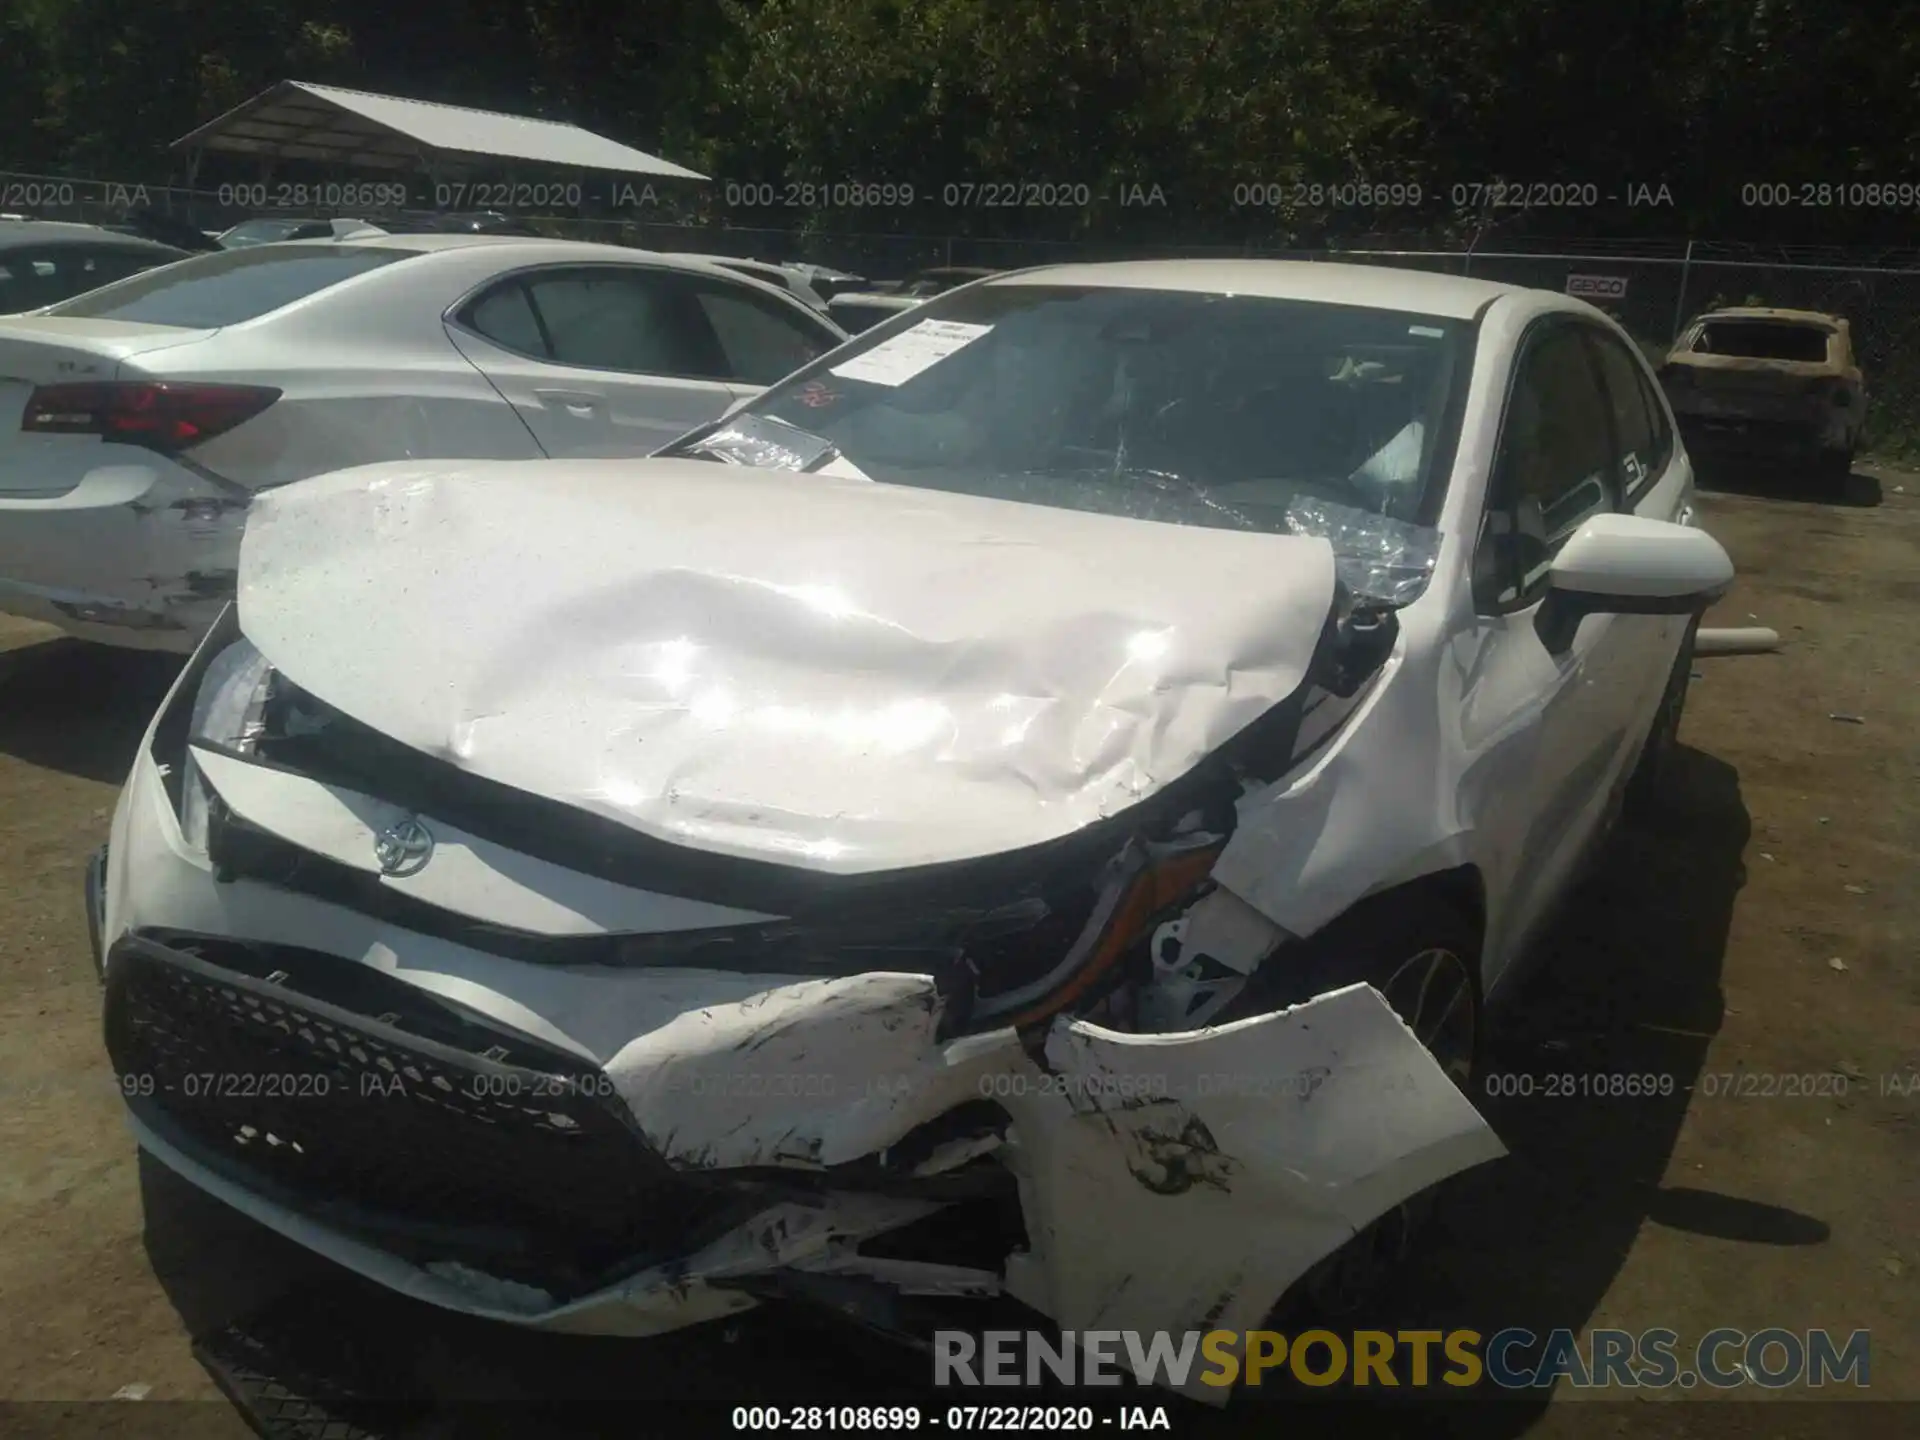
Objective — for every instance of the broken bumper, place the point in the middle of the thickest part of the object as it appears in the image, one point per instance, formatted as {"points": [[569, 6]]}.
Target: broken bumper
{"points": [[428, 1166], [627, 1150]]}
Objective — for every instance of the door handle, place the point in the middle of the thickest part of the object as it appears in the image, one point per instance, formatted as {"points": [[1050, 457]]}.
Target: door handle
{"points": [[579, 402]]}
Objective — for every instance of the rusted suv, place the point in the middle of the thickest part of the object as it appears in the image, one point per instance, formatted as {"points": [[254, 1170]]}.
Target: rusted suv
{"points": [[1783, 382]]}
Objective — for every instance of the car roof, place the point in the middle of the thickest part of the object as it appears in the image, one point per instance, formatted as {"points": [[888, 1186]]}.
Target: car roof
{"points": [[1769, 312], [1375, 287], [724, 259], [540, 250], [16, 234], [434, 241]]}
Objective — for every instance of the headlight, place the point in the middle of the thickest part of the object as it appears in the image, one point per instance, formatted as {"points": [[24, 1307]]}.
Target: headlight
{"points": [[1142, 885], [228, 714]]}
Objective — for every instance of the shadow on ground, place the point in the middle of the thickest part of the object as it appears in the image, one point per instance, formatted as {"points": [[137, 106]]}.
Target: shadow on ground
{"points": [[1624, 996], [80, 709], [1629, 986], [1770, 478]]}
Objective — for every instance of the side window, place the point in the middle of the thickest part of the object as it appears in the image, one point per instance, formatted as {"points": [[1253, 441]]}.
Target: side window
{"points": [[35, 280], [1633, 429], [1554, 470], [111, 265], [1662, 431], [505, 316], [763, 341], [613, 320]]}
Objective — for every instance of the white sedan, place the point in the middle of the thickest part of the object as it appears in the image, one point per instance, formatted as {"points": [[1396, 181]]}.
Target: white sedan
{"points": [[1085, 756], [138, 421]]}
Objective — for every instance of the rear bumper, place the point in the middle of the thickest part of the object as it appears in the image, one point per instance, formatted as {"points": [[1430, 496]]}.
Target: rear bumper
{"points": [[172, 629], [1706, 426], [140, 555]]}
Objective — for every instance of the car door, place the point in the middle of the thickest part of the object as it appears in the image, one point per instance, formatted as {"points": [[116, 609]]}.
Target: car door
{"points": [[598, 360], [1656, 483], [1552, 723]]}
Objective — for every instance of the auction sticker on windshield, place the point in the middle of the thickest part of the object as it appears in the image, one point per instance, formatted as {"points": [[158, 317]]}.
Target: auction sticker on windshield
{"points": [[898, 360]]}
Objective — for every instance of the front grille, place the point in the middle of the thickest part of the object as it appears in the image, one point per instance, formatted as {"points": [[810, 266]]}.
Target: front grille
{"points": [[354, 1097]]}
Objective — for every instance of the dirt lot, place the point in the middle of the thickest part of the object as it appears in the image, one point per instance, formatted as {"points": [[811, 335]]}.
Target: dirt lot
{"points": [[1772, 930]]}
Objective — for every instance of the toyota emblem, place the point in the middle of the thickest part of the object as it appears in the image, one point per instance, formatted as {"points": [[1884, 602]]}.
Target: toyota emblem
{"points": [[403, 849]]}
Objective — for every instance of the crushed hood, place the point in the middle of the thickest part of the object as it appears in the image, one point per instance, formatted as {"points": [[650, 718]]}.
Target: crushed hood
{"points": [[829, 673]]}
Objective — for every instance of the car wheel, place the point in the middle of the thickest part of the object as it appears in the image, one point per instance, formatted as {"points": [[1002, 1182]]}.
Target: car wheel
{"points": [[1836, 471], [1422, 953], [1650, 788]]}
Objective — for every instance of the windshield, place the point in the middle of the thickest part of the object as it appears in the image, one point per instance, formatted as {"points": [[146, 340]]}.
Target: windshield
{"points": [[227, 286], [1199, 409]]}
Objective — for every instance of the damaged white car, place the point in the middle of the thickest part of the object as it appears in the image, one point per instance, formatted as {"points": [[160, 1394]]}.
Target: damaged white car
{"points": [[1035, 805]]}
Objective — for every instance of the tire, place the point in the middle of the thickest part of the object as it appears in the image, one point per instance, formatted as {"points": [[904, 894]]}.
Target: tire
{"points": [[1649, 792], [1394, 942], [1836, 472]]}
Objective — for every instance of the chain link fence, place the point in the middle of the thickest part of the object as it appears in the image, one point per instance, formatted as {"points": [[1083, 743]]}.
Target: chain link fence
{"points": [[1877, 291], [1652, 288]]}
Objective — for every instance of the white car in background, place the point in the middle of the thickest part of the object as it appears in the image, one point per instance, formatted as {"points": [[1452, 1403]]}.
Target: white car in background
{"points": [[781, 277], [1083, 756], [46, 261], [137, 422], [824, 280], [856, 311], [272, 231], [859, 310]]}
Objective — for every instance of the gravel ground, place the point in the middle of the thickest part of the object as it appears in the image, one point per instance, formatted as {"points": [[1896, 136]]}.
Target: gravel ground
{"points": [[1769, 931]]}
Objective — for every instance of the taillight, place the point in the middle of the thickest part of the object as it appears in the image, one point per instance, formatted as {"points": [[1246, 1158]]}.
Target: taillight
{"points": [[160, 415]]}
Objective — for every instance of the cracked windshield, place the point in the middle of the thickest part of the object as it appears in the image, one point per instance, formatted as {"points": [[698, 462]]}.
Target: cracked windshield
{"points": [[1195, 409]]}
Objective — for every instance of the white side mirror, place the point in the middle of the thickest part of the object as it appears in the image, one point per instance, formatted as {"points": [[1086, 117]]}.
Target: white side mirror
{"points": [[1629, 565]]}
